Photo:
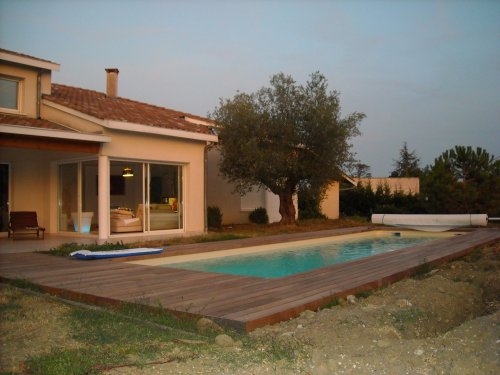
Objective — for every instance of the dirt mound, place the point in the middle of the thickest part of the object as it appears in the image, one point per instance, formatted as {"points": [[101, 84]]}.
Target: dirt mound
{"points": [[430, 324]]}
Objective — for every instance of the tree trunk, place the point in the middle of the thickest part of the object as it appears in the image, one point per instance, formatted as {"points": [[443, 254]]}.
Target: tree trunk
{"points": [[287, 209]]}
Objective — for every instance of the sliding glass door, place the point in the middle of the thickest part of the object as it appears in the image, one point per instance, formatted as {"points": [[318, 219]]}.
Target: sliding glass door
{"points": [[145, 197]]}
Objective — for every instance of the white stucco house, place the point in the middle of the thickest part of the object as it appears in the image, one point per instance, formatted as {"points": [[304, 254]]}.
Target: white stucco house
{"points": [[96, 164]]}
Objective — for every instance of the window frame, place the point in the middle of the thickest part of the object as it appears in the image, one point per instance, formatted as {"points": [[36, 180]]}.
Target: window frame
{"points": [[20, 87]]}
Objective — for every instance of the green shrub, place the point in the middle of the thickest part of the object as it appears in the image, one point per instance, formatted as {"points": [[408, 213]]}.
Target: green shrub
{"points": [[214, 217], [259, 216]]}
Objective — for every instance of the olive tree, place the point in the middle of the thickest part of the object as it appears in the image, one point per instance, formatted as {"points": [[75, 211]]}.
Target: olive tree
{"points": [[284, 136]]}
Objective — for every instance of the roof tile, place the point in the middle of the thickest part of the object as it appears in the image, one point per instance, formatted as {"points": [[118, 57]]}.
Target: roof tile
{"points": [[6, 119], [98, 105]]}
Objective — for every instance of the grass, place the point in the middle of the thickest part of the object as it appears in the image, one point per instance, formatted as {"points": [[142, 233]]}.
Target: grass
{"points": [[226, 233], [423, 269], [101, 339], [25, 284], [364, 293], [67, 248], [105, 337]]}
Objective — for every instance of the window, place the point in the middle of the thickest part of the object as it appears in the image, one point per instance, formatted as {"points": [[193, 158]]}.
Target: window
{"points": [[10, 94]]}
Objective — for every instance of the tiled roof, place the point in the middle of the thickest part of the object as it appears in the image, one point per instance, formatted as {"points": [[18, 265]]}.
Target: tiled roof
{"points": [[6, 119], [24, 55], [99, 105]]}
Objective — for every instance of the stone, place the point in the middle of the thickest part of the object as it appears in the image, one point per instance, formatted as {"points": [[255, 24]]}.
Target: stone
{"points": [[418, 352], [403, 302], [176, 351], [308, 315], [224, 341], [383, 343], [342, 302], [351, 299], [204, 325]]}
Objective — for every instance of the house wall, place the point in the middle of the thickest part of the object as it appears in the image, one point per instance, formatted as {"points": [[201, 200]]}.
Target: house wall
{"points": [[74, 122], [330, 204], [405, 185], [151, 148], [235, 209], [31, 182]]}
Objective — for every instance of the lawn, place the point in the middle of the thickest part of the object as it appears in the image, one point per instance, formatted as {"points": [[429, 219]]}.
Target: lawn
{"points": [[226, 233]]}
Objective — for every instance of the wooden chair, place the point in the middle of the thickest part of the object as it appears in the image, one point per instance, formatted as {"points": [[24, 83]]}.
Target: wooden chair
{"points": [[24, 222]]}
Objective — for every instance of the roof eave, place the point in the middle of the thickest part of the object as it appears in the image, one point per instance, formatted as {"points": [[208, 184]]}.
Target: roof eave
{"points": [[148, 129], [25, 60], [52, 133]]}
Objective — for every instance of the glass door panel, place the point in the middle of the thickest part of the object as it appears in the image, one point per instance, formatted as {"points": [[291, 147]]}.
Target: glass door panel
{"points": [[89, 216], [126, 185], [68, 197], [165, 200], [4, 197]]}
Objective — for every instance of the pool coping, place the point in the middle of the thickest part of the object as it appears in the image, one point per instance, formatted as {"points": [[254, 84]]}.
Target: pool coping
{"points": [[238, 302]]}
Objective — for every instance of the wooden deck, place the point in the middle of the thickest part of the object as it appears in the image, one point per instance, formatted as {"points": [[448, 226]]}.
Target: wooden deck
{"points": [[243, 303]]}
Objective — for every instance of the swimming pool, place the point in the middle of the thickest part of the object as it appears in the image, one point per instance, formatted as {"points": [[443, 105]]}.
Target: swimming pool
{"points": [[283, 259]]}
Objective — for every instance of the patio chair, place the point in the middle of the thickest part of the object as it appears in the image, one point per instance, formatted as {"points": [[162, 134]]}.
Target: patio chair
{"points": [[24, 222]]}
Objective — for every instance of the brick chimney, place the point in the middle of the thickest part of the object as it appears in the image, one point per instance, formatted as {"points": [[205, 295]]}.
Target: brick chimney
{"points": [[112, 82]]}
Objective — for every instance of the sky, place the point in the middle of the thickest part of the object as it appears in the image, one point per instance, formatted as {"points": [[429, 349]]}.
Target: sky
{"points": [[424, 72]]}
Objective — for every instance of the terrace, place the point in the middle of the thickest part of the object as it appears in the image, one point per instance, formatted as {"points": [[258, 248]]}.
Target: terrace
{"points": [[242, 303]]}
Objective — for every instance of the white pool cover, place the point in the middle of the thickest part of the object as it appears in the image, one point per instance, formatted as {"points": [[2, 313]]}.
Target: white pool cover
{"points": [[431, 223]]}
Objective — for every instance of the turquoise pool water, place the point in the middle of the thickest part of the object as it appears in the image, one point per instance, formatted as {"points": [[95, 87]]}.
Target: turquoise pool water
{"points": [[289, 259]]}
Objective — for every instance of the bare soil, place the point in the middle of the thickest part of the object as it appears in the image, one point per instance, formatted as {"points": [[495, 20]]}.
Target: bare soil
{"points": [[446, 321]]}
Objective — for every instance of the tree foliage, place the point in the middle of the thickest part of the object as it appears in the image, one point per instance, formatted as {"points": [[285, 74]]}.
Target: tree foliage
{"points": [[283, 136], [408, 164], [363, 201], [463, 180], [360, 170]]}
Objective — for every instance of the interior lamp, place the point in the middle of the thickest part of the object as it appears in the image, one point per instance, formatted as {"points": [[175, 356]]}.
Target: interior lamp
{"points": [[128, 172]]}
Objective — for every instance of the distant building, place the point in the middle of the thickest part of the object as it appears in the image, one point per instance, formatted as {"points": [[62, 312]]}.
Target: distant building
{"points": [[405, 185]]}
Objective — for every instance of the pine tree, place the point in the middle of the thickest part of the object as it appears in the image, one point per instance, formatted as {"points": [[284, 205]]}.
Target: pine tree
{"points": [[408, 164]]}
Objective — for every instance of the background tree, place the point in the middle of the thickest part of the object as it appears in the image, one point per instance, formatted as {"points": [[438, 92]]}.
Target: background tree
{"points": [[284, 136], [463, 180], [408, 164], [360, 170]]}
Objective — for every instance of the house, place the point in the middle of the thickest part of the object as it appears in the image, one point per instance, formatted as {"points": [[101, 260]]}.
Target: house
{"points": [[96, 164]]}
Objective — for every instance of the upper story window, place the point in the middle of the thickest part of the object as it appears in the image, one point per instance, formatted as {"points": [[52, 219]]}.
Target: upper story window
{"points": [[10, 94]]}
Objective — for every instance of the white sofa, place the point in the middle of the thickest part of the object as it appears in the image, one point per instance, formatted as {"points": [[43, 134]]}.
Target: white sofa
{"points": [[123, 220]]}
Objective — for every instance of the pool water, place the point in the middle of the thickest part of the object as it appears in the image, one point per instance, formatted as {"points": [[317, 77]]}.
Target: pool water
{"points": [[290, 258]]}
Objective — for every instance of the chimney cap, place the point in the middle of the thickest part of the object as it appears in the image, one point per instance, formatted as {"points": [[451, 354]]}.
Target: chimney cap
{"points": [[112, 70]]}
